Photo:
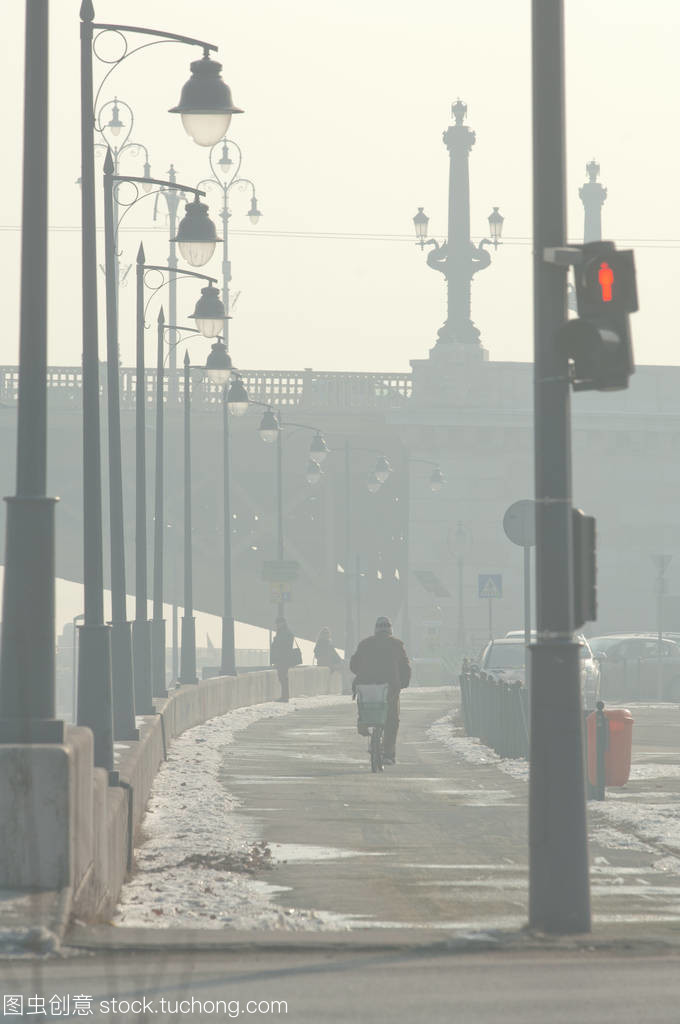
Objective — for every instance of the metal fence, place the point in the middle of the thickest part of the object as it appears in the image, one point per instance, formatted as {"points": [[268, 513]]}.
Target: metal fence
{"points": [[495, 711], [294, 389]]}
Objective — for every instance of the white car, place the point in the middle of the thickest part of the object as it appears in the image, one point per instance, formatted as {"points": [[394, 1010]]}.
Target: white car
{"points": [[504, 659], [590, 667]]}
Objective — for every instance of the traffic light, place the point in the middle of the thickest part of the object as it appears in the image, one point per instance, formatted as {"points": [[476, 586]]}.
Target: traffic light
{"points": [[598, 343]]}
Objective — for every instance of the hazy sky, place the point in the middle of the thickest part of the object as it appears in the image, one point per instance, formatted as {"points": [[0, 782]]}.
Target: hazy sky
{"points": [[345, 106]]}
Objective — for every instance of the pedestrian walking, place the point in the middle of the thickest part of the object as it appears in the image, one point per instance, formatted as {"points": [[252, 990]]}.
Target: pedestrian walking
{"points": [[382, 658], [284, 654], [325, 652]]}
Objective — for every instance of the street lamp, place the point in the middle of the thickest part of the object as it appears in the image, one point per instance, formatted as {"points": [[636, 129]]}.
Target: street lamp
{"points": [[94, 665], [196, 234], [238, 397], [209, 313], [224, 168], [122, 642], [314, 472], [373, 483], [420, 222], [149, 637], [318, 449], [269, 429], [458, 259], [254, 213], [437, 480], [205, 103], [496, 226], [382, 469]]}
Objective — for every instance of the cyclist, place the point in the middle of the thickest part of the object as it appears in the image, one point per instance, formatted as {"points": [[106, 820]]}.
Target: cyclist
{"points": [[382, 658]]}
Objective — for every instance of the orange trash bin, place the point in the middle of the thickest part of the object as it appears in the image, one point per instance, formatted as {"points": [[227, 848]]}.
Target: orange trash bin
{"points": [[618, 755]]}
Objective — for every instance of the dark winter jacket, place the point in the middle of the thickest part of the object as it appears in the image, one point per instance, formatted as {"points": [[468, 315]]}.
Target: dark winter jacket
{"points": [[381, 659]]}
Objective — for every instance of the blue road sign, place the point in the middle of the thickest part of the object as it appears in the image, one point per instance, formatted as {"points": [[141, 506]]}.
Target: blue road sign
{"points": [[490, 585]]}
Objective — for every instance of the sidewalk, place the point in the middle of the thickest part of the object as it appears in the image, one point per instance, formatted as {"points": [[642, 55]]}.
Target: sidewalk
{"points": [[432, 852]]}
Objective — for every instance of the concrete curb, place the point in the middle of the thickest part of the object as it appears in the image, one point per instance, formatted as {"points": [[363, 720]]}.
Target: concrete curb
{"points": [[426, 941]]}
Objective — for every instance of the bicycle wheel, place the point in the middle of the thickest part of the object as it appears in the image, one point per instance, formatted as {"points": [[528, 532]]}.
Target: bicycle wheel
{"points": [[376, 749]]}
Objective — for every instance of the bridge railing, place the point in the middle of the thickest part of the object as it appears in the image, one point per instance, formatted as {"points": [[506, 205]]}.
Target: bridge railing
{"points": [[281, 388]]}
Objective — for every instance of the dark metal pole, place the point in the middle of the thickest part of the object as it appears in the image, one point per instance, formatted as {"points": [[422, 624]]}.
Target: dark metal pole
{"points": [[172, 201], [95, 700], [559, 896], [358, 592], [405, 613], [141, 627], [27, 693], [187, 672], [121, 636], [158, 622], [349, 630], [527, 595], [279, 511], [228, 657]]}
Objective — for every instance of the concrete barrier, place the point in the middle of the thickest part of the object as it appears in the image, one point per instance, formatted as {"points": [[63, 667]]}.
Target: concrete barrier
{"points": [[64, 829]]}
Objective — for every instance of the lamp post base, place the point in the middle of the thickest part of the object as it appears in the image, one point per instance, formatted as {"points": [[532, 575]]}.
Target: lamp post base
{"points": [[31, 730], [141, 658], [95, 702], [187, 672], [158, 681], [122, 682]]}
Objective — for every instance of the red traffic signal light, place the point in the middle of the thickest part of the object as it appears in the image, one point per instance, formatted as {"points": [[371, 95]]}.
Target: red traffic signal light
{"points": [[598, 343], [605, 280]]}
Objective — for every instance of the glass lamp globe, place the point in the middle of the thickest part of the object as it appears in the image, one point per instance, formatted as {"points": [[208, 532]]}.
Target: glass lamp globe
{"points": [[146, 185], [437, 480], [209, 313], [420, 222], [382, 469], [218, 364], [373, 483], [313, 472], [318, 449], [196, 235], [237, 398], [205, 103], [269, 427]]}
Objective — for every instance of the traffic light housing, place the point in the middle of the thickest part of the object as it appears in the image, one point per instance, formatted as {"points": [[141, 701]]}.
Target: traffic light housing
{"points": [[584, 550], [598, 343]]}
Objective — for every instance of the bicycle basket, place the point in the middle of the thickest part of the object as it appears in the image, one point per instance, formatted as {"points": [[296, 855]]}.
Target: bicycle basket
{"points": [[372, 703]]}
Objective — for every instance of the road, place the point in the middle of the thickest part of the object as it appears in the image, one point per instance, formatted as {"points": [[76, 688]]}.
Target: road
{"points": [[382, 988], [421, 873]]}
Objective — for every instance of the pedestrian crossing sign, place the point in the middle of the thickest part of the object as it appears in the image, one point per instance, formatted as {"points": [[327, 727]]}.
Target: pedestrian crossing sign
{"points": [[490, 585]]}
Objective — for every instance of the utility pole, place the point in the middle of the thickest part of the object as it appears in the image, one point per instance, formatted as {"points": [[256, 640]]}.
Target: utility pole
{"points": [[559, 895]]}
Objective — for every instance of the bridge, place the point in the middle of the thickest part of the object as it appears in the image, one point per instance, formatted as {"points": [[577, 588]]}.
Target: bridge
{"points": [[470, 415]]}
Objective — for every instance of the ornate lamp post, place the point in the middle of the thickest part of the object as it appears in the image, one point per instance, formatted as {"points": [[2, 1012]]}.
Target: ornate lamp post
{"points": [[149, 668], [225, 176], [124, 687], [94, 673], [235, 402], [458, 259]]}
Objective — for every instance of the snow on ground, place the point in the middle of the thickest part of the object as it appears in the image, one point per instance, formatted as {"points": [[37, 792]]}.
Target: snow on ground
{"points": [[191, 823], [628, 820]]}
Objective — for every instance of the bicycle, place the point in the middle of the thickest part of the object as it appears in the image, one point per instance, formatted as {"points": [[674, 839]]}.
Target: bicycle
{"points": [[372, 708]]}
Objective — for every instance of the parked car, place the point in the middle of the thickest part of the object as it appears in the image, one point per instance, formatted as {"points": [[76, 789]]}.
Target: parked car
{"points": [[504, 659], [590, 668], [634, 665]]}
